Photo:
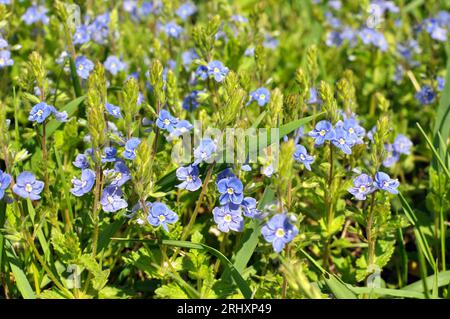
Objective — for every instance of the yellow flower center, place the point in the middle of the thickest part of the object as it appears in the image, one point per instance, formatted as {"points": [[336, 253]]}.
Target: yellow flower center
{"points": [[2, 61], [302, 157], [322, 132], [162, 218], [189, 178], [40, 112], [280, 232], [167, 121], [230, 190], [118, 176], [351, 130], [80, 67], [227, 218], [362, 189], [28, 188], [341, 141], [216, 70], [262, 96], [110, 199]]}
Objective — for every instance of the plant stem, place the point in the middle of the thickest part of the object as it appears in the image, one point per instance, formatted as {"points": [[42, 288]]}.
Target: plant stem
{"points": [[98, 187], [284, 285], [371, 240], [330, 213]]}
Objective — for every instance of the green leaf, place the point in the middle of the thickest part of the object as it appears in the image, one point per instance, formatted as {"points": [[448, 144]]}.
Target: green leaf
{"points": [[436, 156], [22, 282], [422, 241], [443, 279], [235, 274]]}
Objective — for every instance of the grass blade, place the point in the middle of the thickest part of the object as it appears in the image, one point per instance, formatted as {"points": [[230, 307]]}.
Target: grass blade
{"points": [[436, 156], [70, 108]]}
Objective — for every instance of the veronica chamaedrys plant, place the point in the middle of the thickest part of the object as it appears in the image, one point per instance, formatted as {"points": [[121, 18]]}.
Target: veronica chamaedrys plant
{"points": [[96, 124], [131, 107]]}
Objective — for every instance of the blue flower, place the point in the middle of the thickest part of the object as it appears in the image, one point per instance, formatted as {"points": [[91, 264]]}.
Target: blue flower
{"points": [[166, 121], [40, 112], [160, 214], [5, 59], [373, 37], [190, 101], [99, 28], [204, 151], [249, 206], [231, 189], [27, 186], [440, 83], [279, 231], [130, 147], [81, 161], [354, 131], [112, 200], [260, 96], [59, 116], [426, 95], [384, 182], [392, 156], [202, 72], [322, 132], [182, 127], [84, 185], [81, 35], [190, 177], [362, 186], [313, 97], [402, 144], [114, 65], [228, 218], [5, 181], [185, 10], [113, 110], [342, 141], [435, 29], [173, 30], [217, 70], [35, 14], [187, 57], [84, 66], [301, 155], [120, 174], [109, 154]]}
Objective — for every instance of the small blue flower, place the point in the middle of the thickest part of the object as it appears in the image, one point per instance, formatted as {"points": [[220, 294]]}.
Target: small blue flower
{"points": [[279, 231], [173, 30], [130, 147], [384, 182], [202, 72], [392, 156], [166, 121], [84, 66], [160, 214], [113, 110], [426, 95], [109, 154], [354, 131], [81, 35], [81, 161], [27, 186], [204, 151], [440, 83], [5, 59], [99, 28], [322, 132], [228, 218], [120, 174], [217, 70], [362, 186], [435, 30], [301, 155], [35, 14], [84, 185], [342, 141], [40, 112], [187, 57], [231, 190], [190, 101], [182, 127], [373, 37], [402, 144], [112, 200], [249, 206], [5, 181], [114, 65], [185, 10], [190, 177], [314, 97], [260, 96]]}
